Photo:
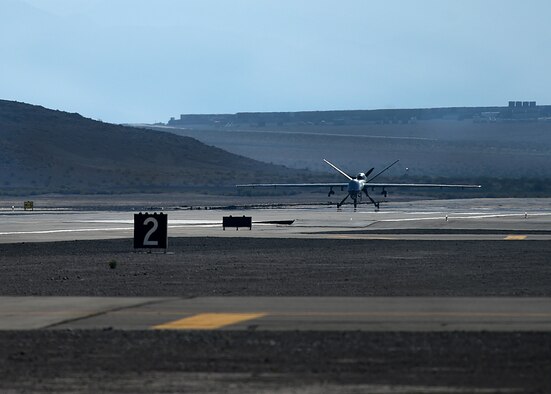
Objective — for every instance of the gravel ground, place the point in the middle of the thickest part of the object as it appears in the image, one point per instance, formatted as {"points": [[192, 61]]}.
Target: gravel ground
{"points": [[276, 362], [278, 267], [302, 362]]}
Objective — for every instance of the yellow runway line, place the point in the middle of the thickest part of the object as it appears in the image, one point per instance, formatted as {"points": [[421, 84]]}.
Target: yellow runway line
{"points": [[208, 321], [515, 237]]}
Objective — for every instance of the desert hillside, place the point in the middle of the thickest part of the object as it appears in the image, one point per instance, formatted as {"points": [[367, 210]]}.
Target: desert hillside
{"points": [[43, 150]]}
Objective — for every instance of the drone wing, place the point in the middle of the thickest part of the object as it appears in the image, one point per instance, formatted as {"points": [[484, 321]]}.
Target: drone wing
{"points": [[440, 185], [276, 185], [338, 169]]}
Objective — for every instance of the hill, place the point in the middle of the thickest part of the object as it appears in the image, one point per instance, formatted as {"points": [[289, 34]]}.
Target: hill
{"points": [[439, 148], [43, 150]]}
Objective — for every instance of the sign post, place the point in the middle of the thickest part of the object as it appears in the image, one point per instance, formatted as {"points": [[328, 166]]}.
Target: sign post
{"points": [[150, 231]]}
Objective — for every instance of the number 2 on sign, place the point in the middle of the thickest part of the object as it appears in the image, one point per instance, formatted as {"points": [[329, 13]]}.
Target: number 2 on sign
{"points": [[146, 240]]}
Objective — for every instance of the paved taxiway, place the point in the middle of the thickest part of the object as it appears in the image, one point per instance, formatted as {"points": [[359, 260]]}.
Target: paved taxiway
{"points": [[506, 219], [278, 313], [491, 219]]}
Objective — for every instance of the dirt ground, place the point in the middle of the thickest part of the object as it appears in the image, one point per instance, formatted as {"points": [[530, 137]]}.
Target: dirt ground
{"points": [[297, 362], [278, 267], [111, 361]]}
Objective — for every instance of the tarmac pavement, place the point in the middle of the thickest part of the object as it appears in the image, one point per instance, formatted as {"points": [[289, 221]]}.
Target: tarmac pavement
{"points": [[422, 314], [479, 218]]}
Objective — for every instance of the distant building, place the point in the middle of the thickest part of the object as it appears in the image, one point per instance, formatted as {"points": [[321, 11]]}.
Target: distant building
{"points": [[522, 104], [522, 111]]}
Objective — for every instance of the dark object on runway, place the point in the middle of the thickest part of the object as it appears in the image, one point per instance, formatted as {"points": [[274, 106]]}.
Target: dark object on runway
{"points": [[287, 222], [237, 221]]}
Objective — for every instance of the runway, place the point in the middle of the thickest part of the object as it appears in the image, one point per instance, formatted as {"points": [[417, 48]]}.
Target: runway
{"points": [[417, 314], [420, 294], [504, 219]]}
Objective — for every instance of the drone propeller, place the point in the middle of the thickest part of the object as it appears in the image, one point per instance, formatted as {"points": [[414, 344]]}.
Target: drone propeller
{"points": [[369, 172]]}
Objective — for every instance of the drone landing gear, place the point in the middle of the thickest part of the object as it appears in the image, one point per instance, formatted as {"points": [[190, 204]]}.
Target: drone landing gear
{"points": [[375, 203], [342, 202], [358, 197]]}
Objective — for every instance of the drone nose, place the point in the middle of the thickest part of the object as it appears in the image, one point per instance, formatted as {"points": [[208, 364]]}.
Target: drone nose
{"points": [[354, 186]]}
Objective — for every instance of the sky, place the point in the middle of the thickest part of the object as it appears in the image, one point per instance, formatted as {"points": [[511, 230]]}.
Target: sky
{"points": [[134, 61]]}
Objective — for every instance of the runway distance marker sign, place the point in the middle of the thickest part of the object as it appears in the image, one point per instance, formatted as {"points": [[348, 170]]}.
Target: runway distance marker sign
{"points": [[150, 231]]}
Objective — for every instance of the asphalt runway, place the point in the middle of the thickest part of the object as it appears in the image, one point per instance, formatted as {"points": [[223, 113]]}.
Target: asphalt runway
{"points": [[443, 296], [421, 314], [475, 219], [490, 219]]}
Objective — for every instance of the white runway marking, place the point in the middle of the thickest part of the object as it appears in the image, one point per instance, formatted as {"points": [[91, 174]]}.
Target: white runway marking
{"points": [[506, 217], [75, 230], [82, 230], [190, 222], [466, 216]]}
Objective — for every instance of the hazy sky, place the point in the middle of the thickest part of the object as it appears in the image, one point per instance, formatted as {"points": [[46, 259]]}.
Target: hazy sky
{"points": [[148, 60]]}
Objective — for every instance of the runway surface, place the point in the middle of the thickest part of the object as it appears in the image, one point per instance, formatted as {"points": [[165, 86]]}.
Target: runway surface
{"points": [[278, 313], [491, 219], [449, 296]]}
